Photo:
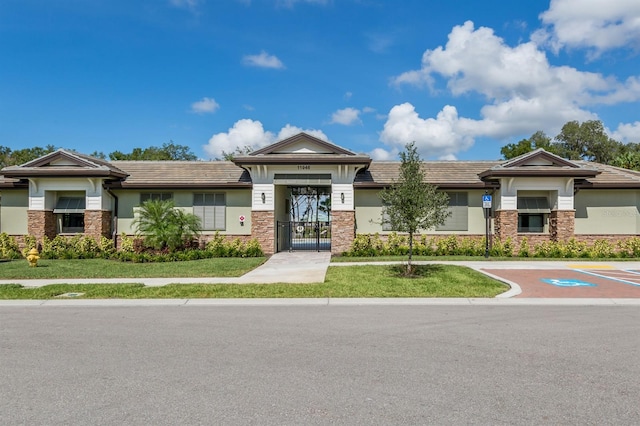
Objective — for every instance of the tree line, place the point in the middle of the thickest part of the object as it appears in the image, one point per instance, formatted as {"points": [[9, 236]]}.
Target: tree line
{"points": [[580, 141], [169, 151], [576, 141]]}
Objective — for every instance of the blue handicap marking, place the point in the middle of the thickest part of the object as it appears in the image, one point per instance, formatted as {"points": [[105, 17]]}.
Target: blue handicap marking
{"points": [[567, 282]]}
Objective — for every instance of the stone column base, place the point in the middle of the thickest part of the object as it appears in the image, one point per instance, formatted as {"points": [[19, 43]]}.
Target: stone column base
{"points": [[343, 230], [263, 226], [41, 223], [97, 223]]}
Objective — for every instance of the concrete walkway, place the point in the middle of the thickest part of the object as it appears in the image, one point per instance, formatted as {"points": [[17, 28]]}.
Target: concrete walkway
{"points": [[297, 267]]}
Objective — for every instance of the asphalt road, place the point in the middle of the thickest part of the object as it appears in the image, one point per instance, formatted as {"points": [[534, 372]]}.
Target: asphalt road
{"points": [[382, 365]]}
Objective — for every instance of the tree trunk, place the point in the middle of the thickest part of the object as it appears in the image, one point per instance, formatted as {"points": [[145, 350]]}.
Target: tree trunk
{"points": [[409, 266]]}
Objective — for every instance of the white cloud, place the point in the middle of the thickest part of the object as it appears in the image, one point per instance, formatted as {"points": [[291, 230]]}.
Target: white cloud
{"points": [[443, 136], [368, 110], [348, 95], [191, 5], [592, 24], [627, 132], [206, 105], [290, 3], [247, 132], [346, 116], [523, 92], [380, 154], [263, 60], [379, 43]]}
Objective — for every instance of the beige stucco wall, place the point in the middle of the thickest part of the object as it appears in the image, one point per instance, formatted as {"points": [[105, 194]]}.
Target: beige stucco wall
{"points": [[13, 211], [369, 209], [607, 212], [238, 203]]}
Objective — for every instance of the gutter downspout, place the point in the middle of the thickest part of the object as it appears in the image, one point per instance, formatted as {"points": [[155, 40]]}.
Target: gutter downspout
{"points": [[114, 233]]}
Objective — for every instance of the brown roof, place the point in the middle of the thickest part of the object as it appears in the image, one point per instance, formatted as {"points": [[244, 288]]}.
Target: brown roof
{"points": [[182, 174], [445, 174], [78, 165], [611, 177]]}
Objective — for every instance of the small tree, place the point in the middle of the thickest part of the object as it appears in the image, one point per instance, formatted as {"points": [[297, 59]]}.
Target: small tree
{"points": [[164, 226], [411, 204]]}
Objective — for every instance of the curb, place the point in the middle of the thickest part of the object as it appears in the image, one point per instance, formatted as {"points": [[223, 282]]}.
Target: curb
{"points": [[319, 302]]}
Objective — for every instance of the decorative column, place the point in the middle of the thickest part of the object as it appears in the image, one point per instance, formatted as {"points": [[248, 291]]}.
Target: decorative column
{"points": [[506, 224], [41, 223], [97, 223], [562, 224], [263, 229], [343, 230]]}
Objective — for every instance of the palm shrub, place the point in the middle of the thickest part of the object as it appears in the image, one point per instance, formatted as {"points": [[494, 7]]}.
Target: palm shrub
{"points": [[165, 227]]}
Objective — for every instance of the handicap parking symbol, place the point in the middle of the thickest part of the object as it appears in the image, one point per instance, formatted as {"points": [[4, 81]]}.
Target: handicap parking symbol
{"points": [[567, 282]]}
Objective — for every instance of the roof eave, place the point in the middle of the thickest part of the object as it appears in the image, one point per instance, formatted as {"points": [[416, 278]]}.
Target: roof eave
{"points": [[22, 173], [582, 173]]}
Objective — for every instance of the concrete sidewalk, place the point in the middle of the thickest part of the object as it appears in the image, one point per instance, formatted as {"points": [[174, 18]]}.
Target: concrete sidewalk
{"points": [[297, 267]]}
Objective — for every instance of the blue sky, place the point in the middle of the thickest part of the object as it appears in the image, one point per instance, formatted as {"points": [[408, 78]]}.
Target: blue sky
{"points": [[460, 78]]}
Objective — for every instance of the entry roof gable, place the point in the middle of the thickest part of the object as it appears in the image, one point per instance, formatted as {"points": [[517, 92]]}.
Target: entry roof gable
{"points": [[539, 163], [302, 143], [63, 163], [302, 148]]}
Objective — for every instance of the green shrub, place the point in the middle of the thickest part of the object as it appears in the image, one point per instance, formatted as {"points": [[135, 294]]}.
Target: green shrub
{"points": [[629, 247], [30, 242], [602, 249], [9, 247], [501, 248]]}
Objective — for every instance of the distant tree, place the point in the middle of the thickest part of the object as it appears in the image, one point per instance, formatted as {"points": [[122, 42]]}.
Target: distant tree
{"points": [[169, 151], [538, 140], [9, 157], [587, 141], [411, 204], [229, 156], [628, 159], [98, 154], [164, 227]]}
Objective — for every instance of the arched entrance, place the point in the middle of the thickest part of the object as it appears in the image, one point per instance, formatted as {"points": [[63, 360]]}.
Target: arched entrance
{"points": [[308, 227]]}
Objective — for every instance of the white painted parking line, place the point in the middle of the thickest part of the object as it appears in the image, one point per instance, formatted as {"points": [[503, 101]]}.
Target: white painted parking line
{"points": [[608, 276]]}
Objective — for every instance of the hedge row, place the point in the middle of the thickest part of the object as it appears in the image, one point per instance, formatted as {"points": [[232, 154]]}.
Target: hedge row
{"points": [[132, 249], [452, 245]]}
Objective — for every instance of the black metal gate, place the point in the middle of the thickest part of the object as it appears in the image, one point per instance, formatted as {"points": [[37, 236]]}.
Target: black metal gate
{"points": [[304, 236]]}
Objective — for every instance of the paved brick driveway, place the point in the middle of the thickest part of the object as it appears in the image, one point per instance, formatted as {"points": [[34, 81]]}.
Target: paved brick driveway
{"points": [[570, 283]]}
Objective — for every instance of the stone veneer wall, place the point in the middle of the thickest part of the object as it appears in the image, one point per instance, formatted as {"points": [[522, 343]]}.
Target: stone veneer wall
{"points": [[506, 224], [97, 223], [41, 223], [562, 224], [343, 230], [263, 229]]}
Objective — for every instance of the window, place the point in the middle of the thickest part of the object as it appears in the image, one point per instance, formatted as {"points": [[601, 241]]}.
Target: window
{"points": [[531, 222], [459, 208], [69, 212], [211, 209], [532, 212], [145, 196]]}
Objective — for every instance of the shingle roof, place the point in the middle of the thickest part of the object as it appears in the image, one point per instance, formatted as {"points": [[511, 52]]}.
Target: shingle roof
{"points": [[182, 174], [440, 173]]}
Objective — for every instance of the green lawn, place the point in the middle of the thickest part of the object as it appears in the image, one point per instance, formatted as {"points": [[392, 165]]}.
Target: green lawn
{"points": [[350, 281], [101, 268]]}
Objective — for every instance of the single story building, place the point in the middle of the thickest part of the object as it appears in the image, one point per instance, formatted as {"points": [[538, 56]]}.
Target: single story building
{"points": [[303, 193]]}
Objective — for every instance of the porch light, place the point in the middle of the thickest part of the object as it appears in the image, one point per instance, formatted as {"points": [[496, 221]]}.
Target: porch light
{"points": [[342, 197], [263, 197]]}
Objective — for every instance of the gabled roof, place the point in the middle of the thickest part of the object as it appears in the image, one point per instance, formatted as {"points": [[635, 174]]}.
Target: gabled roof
{"points": [[182, 175], [315, 146], [539, 163], [302, 149], [443, 174], [63, 163]]}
